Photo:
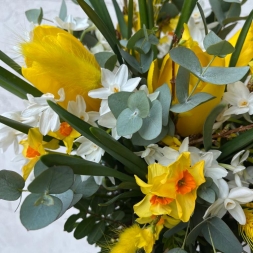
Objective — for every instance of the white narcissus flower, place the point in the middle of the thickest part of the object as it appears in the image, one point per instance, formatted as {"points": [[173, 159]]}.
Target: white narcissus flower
{"points": [[78, 108], [102, 44], [91, 152], [152, 154], [237, 167], [240, 99], [49, 119], [212, 169], [113, 83], [230, 201], [72, 24]]}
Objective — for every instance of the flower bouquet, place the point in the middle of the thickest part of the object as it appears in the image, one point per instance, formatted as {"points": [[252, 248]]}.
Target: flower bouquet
{"points": [[146, 129]]}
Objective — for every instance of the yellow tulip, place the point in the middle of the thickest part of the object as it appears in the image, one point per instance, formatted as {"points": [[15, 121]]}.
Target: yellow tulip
{"points": [[190, 122], [56, 59], [246, 53]]}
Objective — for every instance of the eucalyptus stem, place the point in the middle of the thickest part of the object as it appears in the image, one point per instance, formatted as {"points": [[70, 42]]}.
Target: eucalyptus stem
{"points": [[203, 72], [211, 239], [185, 235]]}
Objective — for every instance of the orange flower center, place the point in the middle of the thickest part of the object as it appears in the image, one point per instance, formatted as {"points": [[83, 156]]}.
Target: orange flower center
{"points": [[155, 200], [31, 153], [65, 129], [186, 183]]}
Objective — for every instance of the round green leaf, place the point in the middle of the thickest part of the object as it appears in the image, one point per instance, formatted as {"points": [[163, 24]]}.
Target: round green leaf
{"points": [[56, 180], [11, 185], [177, 250], [206, 193], [38, 211], [128, 122], [39, 168], [152, 125], [187, 59], [220, 49], [66, 199], [211, 39], [138, 102]]}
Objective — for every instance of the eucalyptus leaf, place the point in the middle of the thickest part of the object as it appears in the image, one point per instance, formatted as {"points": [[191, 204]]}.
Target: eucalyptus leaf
{"points": [[106, 60], [56, 180], [164, 98], [222, 75], [145, 61], [233, 1], [206, 193], [211, 39], [38, 211], [75, 199], [168, 10], [131, 60], [208, 125], [192, 102], [152, 125], [66, 199], [118, 102], [139, 141], [139, 102], [88, 187], [63, 10], [128, 122], [39, 168], [11, 185], [34, 15], [220, 49], [187, 59], [217, 232], [142, 46], [217, 9], [182, 84]]}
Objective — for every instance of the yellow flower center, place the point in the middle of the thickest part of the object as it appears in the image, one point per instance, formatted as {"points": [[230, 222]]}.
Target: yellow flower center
{"points": [[65, 129], [155, 200], [243, 103], [186, 183], [31, 153]]}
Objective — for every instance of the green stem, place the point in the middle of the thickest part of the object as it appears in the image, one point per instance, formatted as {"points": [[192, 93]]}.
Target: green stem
{"points": [[185, 235], [203, 72], [211, 239], [130, 19]]}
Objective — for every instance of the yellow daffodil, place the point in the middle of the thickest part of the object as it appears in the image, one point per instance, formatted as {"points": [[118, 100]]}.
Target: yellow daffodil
{"points": [[34, 147], [246, 231], [134, 238], [56, 59], [190, 122], [171, 190], [67, 134], [172, 142]]}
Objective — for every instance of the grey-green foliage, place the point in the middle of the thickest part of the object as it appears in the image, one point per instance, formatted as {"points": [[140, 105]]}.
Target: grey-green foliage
{"points": [[215, 46], [34, 15], [11, 185], [135, 113], [54, 180], [106, 60], [39, 210], [208, 191]]}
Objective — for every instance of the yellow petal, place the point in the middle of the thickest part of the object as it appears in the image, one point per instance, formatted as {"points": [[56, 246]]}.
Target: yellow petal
{"points": [[56, 59], [142, 208], [27, 168]]}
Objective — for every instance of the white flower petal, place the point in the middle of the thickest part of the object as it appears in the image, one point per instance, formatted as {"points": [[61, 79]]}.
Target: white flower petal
{"points": [[241, 194], [121, 76], [238, 214], [102, 93]]}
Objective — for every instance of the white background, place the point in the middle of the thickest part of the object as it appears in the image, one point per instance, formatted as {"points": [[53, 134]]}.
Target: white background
{"points": [[13, 236]]}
